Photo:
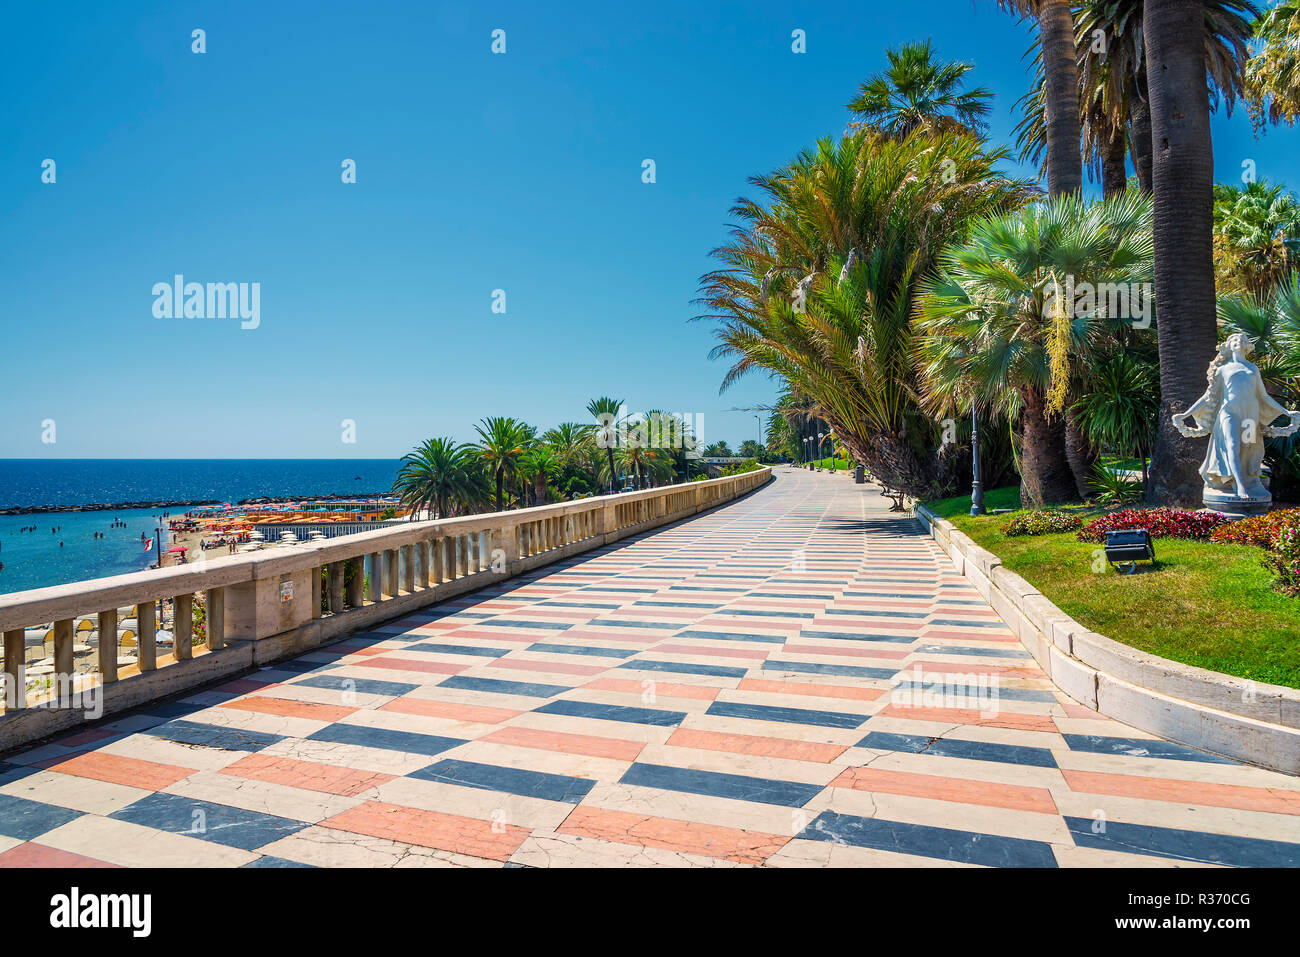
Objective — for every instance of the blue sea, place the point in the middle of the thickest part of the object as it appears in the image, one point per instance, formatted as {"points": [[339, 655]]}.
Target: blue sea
{"points": [[63, 547]]}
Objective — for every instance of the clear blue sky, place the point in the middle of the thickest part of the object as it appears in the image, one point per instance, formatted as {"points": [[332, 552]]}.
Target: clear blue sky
{"points": [[475, 172]]}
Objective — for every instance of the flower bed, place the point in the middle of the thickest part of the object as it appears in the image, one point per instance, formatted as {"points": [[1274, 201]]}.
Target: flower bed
{"points": [[1278, 533], [1259, 530], [1041, 522], [1284, 559], [1160, 522]]}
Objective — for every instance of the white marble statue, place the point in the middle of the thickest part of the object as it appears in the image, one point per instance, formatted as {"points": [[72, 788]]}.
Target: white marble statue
{"points": [[1236, 412]]}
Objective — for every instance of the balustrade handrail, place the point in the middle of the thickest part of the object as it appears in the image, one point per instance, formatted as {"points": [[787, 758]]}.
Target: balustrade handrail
{"points": [[41, 605], [262, 606]]}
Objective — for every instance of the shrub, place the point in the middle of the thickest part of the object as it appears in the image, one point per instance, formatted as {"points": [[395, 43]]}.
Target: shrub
{"points": [[1284, 558], [1160, 522], [1041, 522], [1110, 488], [1258, 530], [740, 468]]}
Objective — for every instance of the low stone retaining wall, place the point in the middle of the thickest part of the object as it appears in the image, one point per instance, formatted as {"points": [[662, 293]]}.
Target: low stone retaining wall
{"points": [[1233, 717]]}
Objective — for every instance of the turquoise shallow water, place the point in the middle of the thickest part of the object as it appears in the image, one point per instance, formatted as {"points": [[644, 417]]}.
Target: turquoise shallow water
{"points": [[35, 559]]}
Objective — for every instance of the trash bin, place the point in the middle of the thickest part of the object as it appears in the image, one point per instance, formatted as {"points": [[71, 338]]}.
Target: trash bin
{"points": [[858, 475]]}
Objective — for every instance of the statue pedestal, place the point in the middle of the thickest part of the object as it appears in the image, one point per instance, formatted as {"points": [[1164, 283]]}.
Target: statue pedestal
{"points": [[1235, 506]]}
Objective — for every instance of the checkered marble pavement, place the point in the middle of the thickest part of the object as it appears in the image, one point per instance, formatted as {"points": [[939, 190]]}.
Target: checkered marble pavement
{"points": [[796, 679]]}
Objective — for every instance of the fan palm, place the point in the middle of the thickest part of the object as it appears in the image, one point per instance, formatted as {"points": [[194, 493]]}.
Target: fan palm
{"points": [[441, 474], [1256, 237], [998, 329], [916, 92], [502, 443]]}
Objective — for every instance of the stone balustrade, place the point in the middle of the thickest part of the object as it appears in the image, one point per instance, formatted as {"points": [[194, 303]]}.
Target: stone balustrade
{"points": [[267, 605]]}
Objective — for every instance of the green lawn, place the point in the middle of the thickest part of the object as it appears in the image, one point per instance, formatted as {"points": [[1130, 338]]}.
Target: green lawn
{"points": [[837, 465], [1212, 606]]}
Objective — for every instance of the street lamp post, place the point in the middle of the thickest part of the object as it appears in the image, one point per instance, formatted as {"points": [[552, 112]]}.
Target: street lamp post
{"points": [[976, 487]]}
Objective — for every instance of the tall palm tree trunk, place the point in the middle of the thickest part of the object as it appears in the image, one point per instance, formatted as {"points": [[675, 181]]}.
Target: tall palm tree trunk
{"points": [[1140, 122], [609, 452], [1045, 474], [501, 490], [1080, 453], [1114, 174], [1061, 73], [1183, 178]]}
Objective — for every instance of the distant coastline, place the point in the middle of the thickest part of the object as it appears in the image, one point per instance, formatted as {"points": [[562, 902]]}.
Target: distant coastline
{"points": [[191, 503]]}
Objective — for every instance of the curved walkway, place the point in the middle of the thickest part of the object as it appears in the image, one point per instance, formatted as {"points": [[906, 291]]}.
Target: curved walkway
{"points": [[799, 678]]}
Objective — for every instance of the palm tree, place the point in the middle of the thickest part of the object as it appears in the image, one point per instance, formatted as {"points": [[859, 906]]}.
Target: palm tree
{"points": [[1183, 182], [818, 283], [440, 473], [1112, 67], [571, 442], [540, 464], [502, 442], [1272, 78], [1055, 21], [918, 93], [605, 411], [998, 326], [1256, 237]]}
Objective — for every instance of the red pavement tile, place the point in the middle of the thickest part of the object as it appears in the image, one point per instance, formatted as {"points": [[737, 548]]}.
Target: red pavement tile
{"points": [[987, 793], [412, 664], [756, 745], [287, 708], [1238, 796], [116, 769], [446, 832], [567, 742], [449, 709], [326, 778], [688, 837], [38, 855], [972, 716]]}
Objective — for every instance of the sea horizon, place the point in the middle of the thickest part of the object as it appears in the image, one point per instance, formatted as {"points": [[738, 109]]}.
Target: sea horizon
{"points": [[65, 547]]}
